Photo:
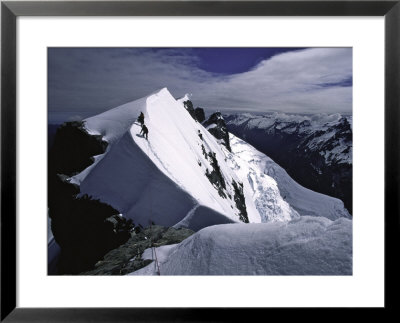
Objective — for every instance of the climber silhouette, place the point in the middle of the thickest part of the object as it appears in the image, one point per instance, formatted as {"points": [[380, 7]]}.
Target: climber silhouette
{"points": [[145, 131], [141, 118]]}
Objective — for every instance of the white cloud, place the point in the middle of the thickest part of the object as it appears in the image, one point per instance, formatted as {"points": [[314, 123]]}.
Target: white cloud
{"points": [[292, 82], [306, 81]]}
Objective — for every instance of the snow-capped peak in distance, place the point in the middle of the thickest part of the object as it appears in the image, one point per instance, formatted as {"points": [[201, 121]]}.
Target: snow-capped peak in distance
{"points": [[328, 134], [309, 122]]}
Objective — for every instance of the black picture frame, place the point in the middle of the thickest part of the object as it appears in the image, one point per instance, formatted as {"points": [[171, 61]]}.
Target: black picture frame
{"points": [[10, 10]]}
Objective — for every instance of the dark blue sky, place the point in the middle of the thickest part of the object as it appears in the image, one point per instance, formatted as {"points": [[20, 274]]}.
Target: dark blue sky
{"points": [[87, 81], [234, 60]]}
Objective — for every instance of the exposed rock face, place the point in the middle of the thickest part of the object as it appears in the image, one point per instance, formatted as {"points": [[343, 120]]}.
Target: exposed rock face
{"points": [[218, 181], [240, 201], [197, 114], [215, 176], [317, 154], [73, 149], [84, 228], [189, 107], [200, 116], [128, 257], [217, 127]]}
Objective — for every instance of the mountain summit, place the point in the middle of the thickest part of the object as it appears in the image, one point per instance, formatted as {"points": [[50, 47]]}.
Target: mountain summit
{"points": [[184, 176], [176, 177]]}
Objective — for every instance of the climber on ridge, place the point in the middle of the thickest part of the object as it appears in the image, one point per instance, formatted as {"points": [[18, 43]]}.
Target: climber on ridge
{"points": [[145, 131], [141, 118]]}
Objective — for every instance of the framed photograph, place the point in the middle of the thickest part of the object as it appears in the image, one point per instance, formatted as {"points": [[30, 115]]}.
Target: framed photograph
{"points": [[167, 160]]}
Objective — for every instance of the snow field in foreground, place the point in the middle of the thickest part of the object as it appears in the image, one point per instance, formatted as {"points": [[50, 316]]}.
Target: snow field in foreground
{"points": [[303, 246]]}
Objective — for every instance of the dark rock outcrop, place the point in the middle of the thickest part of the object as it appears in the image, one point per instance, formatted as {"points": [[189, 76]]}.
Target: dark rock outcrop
{"points": [[200, 116], [217, 179], [84, 228], [73, 149], [189, 107], [215, 176], [197, 114], [240, 201], [217, 127], [128, 257], [51, 133]]}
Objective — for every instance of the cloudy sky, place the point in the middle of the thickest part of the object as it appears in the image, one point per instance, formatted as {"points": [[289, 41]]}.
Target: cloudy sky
{"points": [[86, 81]]}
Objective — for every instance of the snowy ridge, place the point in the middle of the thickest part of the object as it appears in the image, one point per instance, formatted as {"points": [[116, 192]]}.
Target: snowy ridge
{"points": [[183, 176], [162, 179], [261, 188], [276, 195]]}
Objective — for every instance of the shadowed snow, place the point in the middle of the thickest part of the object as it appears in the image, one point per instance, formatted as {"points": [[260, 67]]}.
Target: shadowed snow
{"points": [[304, 246]]}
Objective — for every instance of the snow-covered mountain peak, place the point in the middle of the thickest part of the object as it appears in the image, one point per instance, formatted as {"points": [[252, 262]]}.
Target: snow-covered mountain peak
{"points": [[181, 174], [112, 124], [177, 176], [162, 94]]}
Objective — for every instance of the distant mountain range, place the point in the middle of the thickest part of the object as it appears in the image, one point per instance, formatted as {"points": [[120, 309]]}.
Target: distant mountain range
{"points": [[315, 150]]}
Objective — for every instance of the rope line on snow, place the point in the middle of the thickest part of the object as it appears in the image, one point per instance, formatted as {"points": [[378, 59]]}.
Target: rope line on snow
{"points": [[157, 264], [151, 223], [153, 249], [154, 253]]}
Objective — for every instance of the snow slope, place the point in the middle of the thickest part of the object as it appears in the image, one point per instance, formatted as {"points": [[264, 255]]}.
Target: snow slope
{"points": [[259, 187], [269, 183], [161, 179], [303, 246]]}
